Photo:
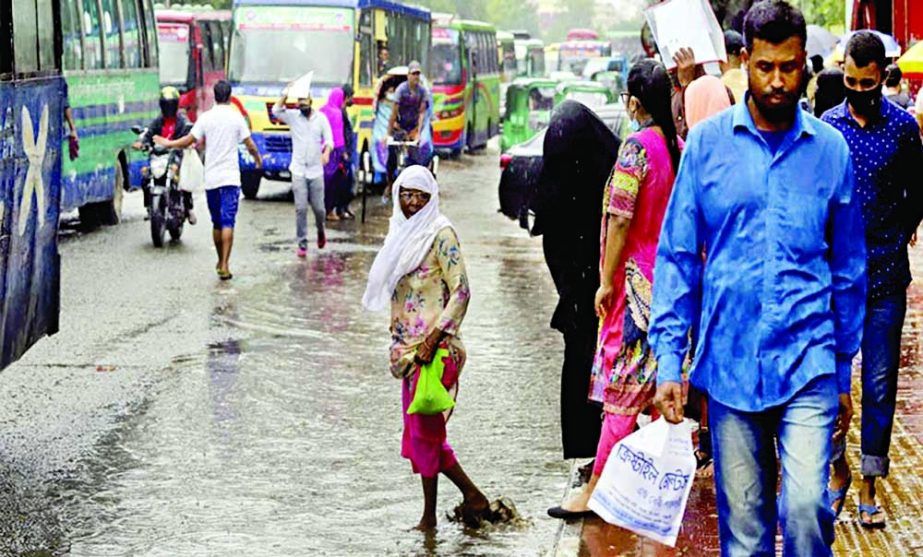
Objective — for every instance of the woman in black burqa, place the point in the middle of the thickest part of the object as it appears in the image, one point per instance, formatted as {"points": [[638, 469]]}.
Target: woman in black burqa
{"points": [[579, 153]]}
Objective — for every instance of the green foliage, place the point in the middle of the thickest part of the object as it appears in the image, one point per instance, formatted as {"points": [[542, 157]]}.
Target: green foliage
{"points": [[825, 13]]}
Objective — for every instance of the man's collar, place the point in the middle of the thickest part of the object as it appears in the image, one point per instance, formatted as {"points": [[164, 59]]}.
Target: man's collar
{"points": [[802, 124]]}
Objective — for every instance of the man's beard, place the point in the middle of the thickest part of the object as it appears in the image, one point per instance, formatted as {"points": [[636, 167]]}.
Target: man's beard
{"points": [[776, 113]]}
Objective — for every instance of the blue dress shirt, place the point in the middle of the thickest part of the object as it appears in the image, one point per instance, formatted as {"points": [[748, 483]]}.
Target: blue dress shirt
{"points": [[887, 156], [763, 254]]}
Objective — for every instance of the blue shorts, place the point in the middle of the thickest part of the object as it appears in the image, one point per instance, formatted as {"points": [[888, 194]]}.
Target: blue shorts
{"points": [[222, 204]]}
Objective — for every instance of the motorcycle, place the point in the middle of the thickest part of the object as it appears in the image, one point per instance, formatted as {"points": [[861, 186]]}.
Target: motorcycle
{"points": [[160, 180]]}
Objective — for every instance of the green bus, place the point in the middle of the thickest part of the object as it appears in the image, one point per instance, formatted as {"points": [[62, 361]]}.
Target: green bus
{"points": [[110, 65], [466, 83]]}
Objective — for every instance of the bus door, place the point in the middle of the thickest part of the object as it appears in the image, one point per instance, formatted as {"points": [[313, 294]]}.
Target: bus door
{"points": [[211, 61], [471, 53]]}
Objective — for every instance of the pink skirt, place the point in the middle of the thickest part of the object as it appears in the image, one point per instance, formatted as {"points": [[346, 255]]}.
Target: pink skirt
{"points": [[424, 441]]}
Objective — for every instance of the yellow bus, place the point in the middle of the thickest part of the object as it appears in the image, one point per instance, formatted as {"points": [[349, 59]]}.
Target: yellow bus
{"points": [[342, 41]]}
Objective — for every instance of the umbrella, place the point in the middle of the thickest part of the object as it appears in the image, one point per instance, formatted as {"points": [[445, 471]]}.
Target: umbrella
{"points": [[820, 41], [892, 48], [911, 63]]}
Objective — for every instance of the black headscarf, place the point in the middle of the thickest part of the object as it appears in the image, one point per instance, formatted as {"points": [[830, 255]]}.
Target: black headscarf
{"points": [[579, 153]]}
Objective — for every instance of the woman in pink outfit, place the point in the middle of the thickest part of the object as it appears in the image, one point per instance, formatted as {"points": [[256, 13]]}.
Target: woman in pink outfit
{"points": [[420, 274], [624, 369]]}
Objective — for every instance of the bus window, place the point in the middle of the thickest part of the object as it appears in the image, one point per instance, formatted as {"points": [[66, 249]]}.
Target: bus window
{"points": [[447, 67], [150, 34], [46, 32], [208, 51], [367, 54], [70, 33], [6, 54], [217, 45], [110, 21], [93, 53], [131, 33], [25, 36]]}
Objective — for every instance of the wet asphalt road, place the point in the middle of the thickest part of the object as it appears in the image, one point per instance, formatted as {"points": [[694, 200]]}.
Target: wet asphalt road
{"points": [[178, 415]]}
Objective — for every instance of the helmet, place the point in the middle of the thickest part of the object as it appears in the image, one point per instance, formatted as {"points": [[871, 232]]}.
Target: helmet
{"points": [[169, 101]]}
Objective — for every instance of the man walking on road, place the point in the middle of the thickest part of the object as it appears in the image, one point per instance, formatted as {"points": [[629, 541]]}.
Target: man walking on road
{"points": [[312, 143], [222, 128], [884, 142], [776, 333]]}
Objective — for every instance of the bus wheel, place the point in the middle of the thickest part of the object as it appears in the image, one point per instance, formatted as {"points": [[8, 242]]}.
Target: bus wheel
{"points": [[250, 183], [110, 213]]}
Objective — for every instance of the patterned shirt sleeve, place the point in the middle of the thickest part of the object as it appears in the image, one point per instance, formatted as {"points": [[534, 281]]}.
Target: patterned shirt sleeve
{"points": [[627, 176], [448, 254]]}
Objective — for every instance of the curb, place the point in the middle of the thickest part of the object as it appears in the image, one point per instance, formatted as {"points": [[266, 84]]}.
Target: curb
{"points": [[567, 540]]}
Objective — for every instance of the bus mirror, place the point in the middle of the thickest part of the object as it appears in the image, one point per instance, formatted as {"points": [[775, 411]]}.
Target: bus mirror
{"points": [[136, 129]]}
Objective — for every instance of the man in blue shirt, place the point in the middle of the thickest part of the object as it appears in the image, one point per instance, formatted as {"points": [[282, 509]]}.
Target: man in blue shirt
{"points": [[761, 257], [887, 155]]}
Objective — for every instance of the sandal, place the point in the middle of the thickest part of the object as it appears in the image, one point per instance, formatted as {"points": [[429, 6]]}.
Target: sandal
{"points": [[870, 510], [225, 275], [703, 461], [839, 495]]}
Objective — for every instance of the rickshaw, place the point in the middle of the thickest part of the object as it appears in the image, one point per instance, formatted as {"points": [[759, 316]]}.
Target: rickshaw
{"points": [[590, 93], [377, 165], [529, 103], [375, 162]]}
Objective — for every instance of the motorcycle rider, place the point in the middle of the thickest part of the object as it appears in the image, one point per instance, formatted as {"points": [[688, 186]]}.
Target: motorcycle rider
{"points": [[171, 124]]}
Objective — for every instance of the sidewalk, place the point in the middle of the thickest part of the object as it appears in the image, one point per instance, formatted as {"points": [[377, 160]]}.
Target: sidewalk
{"points": [[898, 495]]}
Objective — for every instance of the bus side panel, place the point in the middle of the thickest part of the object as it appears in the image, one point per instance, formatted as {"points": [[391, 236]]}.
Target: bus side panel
{"points": [[30, 177], [105, 106]]}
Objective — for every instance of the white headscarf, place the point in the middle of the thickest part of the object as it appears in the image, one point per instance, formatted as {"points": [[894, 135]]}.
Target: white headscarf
{"points": [[408, 240]]}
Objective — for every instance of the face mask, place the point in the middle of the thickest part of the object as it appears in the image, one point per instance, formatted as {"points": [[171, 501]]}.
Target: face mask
{"points": [[634, 126], [867, 103], [305, 111], [392, 97]]}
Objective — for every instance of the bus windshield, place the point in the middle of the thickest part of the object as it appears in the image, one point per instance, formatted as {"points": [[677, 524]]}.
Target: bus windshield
{"points": [[446, 64], [174, 53], [282, 43]]}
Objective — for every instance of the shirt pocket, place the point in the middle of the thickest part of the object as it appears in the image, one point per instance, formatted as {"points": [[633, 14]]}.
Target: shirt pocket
{"points": [[802, 223]]}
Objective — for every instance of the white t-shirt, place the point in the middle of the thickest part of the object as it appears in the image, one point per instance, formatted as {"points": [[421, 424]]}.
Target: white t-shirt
{"points": [[223, 129]]}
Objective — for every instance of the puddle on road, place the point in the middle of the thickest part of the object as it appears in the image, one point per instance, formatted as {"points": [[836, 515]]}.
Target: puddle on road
{"points": [[282, 437]]}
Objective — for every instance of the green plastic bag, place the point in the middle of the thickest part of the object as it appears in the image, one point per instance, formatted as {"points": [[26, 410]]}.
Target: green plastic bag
{"points": [[431, 397]]}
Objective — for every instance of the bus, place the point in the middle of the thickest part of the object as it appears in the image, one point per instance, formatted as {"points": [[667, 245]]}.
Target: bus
{"points": [[530, 58], [110, 68], [466, 84], [582, 35], [193, 45], [573, 55], [341, 41], [506, 56], [31, 134]]}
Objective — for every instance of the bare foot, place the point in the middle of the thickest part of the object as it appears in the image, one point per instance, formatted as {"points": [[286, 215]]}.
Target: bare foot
{"points": [[427, 524]]}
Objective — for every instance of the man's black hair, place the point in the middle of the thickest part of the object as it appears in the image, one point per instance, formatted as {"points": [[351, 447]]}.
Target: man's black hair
{"points": [[774, 21], [893, 75], [817, 63], [733, 42], [348, 90], [865, 47], [222, 92]]}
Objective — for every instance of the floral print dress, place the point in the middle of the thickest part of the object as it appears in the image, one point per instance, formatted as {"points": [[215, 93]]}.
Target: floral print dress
{"points": [[624, 368], [435, 295]]}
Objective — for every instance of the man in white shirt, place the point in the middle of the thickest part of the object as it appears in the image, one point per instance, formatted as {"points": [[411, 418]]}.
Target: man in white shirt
{"points": [[222, 128], [312, 143]]}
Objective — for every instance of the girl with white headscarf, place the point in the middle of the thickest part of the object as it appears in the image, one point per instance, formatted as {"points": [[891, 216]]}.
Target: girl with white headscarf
{"points": [[420, 272]]}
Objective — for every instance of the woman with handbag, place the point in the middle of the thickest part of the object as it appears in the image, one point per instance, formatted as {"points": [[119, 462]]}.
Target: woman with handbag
{"points": [[420, 274]]}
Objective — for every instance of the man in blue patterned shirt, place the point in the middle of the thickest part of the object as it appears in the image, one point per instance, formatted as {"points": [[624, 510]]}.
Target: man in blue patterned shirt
{"points": [[761, 253], [884, 142]]}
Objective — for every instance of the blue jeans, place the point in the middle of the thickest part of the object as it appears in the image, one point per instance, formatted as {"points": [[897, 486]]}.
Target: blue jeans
{"points": [[881, 355], [746, 471]]}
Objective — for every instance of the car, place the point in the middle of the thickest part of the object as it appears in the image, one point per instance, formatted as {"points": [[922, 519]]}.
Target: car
{"points": [[618, 64], [522, 165]]}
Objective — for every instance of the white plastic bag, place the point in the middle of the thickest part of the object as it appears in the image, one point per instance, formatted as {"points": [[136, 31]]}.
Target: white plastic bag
{"points": [[191, 172], [646, 482]]}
